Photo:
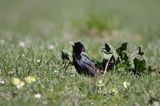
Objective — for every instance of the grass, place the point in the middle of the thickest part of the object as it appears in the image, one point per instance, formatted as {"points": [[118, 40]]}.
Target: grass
{"points": [[32, 37]]}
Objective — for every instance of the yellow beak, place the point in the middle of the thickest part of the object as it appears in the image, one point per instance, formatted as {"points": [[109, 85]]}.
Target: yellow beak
{"points": [[71, 43]]}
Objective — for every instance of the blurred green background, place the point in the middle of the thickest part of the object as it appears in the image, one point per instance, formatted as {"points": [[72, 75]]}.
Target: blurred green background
{"points": [[57, 15]]}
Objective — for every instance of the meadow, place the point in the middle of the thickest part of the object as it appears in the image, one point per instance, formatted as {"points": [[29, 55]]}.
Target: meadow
{"points": [[34, 32]]}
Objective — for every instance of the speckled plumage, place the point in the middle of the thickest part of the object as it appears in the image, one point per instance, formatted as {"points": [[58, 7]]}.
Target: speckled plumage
{"points": [[81, 62]]}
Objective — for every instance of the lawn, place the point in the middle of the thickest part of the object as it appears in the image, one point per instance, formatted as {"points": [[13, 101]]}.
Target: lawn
{"points": [[33, 34]]}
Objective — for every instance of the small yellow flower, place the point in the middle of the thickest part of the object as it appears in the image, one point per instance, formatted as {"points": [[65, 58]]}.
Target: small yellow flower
{"points": [[30, 79], [18, 83], [126, 84]]}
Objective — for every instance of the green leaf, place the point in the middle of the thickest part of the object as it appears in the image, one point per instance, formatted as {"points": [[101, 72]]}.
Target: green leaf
{"points": [[111, 49], [140, 51], [107, 56], [122, 48], [137, 52], [139, 65], [64, 55], [122, 54], [107, 47]]}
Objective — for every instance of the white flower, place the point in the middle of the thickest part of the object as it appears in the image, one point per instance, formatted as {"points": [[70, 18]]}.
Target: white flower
{"points": [[100, 83], [51, 47], [38, 60], [115, 91], [20, 85], [55, 71], [22, 44], [2, 82], [126, 84], [38, 95], [12, 72]]}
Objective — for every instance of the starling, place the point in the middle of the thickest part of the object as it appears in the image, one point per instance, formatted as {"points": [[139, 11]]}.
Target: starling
{"points": [[81, 62]]}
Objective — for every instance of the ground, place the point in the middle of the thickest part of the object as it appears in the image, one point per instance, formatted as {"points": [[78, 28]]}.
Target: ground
{"points": [[33, 34]]}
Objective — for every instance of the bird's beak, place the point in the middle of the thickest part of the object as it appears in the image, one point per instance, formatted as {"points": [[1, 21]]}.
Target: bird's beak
{"points": [[71, 43]]}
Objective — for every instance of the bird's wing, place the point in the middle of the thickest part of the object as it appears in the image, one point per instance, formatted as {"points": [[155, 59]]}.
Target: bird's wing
{"points": [[89, 65]]}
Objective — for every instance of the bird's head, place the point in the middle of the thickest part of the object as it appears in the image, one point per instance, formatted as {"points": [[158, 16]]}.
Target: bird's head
{"points": [[78, 48]]}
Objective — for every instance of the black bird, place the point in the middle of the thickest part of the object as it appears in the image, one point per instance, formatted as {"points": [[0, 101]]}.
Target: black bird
{"points": [[81, 62]]}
